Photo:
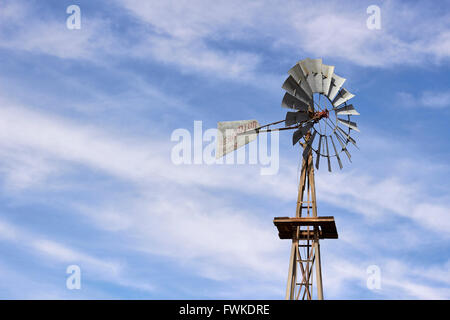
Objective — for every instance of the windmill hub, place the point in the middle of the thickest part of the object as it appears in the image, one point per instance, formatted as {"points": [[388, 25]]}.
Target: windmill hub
{"points": [[320, 114]]}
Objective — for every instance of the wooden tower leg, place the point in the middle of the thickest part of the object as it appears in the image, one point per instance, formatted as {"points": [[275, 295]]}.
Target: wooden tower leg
{"points": [[318, 266], [292, 271]]}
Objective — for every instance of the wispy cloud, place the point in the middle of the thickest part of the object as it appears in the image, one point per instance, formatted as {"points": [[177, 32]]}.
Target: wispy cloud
{"points": [[301, 26], [214, 222], [182, 35], [20, 26], [398, 280], [217, 239], [98, 268], [426, 99]]}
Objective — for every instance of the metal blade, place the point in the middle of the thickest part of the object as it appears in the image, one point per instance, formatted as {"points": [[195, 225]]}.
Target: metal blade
{"points": [[298, 134], [347, 136], [327, 73], [347, 111], [343, 147], [336, 84], [350, 124], [343, 96], [318, 152], [308, 146], [297, 73], [291, 86], [305, 66], [337, 155], [328, 154], [302, 116], [316, 65], [312, 69], [291, 118], [295, 117], [291, 102]]}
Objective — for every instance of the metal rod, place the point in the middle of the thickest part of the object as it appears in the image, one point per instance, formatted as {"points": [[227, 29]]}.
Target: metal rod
{"points": [[257, 130], [278, 129], [266, 125]]}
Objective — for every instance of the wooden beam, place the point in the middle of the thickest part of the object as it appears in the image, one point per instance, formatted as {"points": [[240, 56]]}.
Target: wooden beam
{"points": [[287, 227]]}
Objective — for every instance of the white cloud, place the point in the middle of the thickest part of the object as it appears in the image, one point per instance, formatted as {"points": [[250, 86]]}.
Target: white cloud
{"points": [[426, 99], [7, 232], [24, 170], [196, 56], [379, 198], [328, 28], [195, 36], [435, 100], [57, 251], [23, 28], [182, 30], [217, 240], [89, 146], [174, 43], [189, 214], [49, 251], [197, 19], [398, 280], [64, 254], [410, 281]]}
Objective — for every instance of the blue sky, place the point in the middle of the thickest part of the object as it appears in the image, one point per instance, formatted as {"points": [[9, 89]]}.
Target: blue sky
{"points": [[86, 175]]}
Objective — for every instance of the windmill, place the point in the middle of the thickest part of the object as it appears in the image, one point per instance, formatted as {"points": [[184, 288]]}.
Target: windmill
{"points": [[313, 93]]}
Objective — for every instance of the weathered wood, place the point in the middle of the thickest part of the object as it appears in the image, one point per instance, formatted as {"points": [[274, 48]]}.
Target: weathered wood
{"points": [[287, 227], [301, 189], [292, 270], [312, 183], [318, 268]]}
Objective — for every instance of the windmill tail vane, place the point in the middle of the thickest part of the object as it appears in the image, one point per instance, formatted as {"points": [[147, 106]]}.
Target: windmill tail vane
{"points": [[312, 93]]}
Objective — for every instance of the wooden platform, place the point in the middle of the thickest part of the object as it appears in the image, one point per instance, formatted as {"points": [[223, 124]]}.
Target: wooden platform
{"points": [[287, 227]]}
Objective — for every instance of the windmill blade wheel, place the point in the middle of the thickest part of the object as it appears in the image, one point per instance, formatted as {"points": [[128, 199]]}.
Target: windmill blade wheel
{"points": [[320, 107]]}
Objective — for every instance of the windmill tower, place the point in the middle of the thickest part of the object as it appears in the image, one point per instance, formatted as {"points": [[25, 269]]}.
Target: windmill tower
{"points": [[312, 91]]}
